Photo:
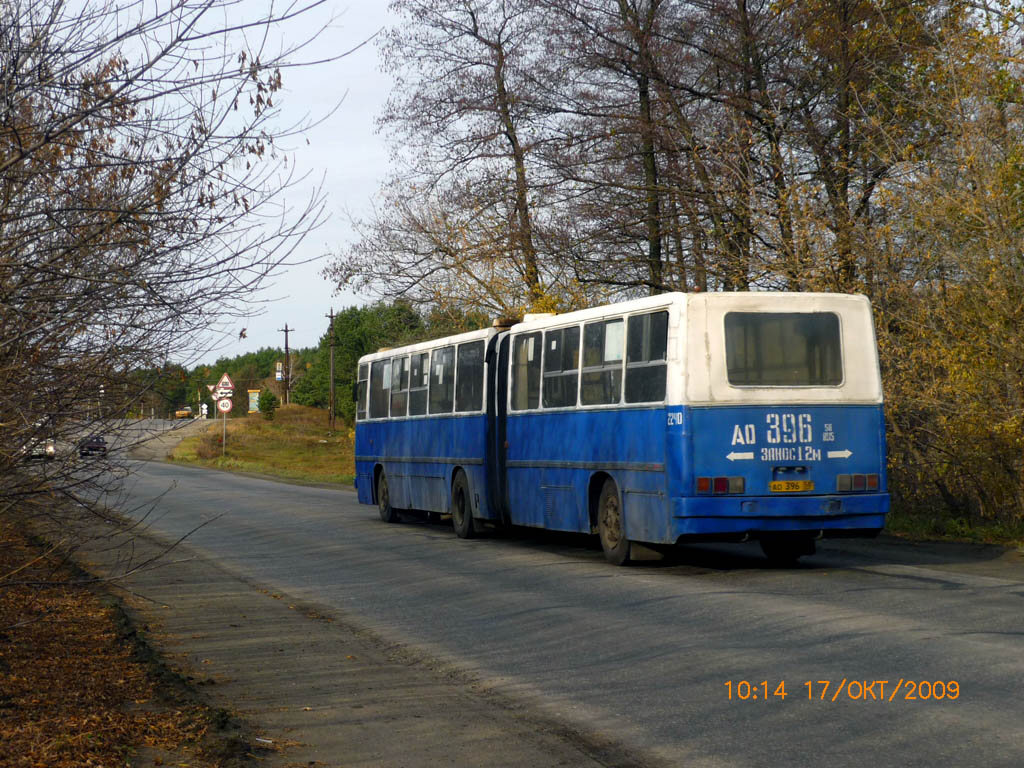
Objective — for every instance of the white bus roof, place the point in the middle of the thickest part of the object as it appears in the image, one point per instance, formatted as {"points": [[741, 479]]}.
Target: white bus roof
{"points": [[605, 310], [423, 346], [749, 300]]}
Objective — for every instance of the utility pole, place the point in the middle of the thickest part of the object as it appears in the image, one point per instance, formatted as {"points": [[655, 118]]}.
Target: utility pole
{"points": [[287, 364], [330, 391]]}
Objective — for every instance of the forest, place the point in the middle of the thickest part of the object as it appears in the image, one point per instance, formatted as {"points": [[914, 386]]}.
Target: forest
{"points": [[556, 154]]}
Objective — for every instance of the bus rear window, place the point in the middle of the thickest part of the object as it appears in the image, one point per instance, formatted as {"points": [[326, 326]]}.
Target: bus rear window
{"points": [[783, 349]]}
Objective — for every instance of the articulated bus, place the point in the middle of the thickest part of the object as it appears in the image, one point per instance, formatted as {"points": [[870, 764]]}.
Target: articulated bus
{"points": [[662, 420]]}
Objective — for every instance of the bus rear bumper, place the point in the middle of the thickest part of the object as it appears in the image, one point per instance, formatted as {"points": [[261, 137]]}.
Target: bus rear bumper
{"points": [[834, 515]]}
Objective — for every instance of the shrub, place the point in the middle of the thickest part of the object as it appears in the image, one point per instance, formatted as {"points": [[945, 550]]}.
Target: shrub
{"points": [[268, 403]]}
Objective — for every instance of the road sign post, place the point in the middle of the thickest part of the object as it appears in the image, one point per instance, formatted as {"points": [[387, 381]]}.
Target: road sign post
{"points": [[224, 405], [222, 393]]}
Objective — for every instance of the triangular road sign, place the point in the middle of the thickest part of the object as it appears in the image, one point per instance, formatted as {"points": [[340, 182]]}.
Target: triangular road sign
{"points": [[226, 383]]}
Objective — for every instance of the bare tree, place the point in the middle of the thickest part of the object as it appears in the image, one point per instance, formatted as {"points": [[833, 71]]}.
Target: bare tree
{"points": [[464, 127], [141, 203]]}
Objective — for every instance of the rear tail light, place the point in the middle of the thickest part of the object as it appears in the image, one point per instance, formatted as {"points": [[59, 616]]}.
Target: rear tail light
{"points": [[856, 483], [721, 485]]}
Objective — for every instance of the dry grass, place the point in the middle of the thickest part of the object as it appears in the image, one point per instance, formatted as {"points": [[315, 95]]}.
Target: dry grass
{"points": [[295, 445]]}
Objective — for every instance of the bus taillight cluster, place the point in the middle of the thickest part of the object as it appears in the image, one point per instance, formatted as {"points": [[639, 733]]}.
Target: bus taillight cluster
{"points": [[721, 485], [856, 482]]}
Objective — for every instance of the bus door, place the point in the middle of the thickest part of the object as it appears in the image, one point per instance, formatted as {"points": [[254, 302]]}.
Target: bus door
{"points": [[497, 407]]}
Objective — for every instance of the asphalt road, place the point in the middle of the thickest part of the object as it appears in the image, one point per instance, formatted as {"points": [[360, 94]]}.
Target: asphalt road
{"points": [[645, 655]]}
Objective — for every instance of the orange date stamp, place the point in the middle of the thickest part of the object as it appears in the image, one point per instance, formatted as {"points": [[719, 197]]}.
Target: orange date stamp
{"points": [[845, 689]]}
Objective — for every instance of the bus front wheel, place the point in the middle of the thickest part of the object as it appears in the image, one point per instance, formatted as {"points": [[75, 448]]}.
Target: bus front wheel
{"points": [[387, 513], [609, 525], [462, 512]]}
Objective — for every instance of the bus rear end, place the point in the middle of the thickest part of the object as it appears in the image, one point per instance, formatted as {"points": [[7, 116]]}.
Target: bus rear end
{"points": [[781, 436]]}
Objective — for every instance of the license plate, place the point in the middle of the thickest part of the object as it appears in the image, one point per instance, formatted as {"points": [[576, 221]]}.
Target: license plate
{"points": [[791, 486]]}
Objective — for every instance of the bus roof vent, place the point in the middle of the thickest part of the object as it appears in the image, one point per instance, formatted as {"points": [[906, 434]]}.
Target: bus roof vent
{"points": [[384, 349], [537, 316], [504, 323]]}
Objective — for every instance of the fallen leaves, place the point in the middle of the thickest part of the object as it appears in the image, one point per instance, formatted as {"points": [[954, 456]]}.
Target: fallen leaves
{"points": [[71, 693]]}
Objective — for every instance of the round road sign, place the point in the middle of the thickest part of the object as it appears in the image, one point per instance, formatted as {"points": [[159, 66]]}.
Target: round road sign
{"points": [[224, 405]]}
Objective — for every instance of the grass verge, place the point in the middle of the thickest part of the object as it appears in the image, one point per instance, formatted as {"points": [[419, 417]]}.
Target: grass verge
{"points": [[958, 529], [294, 445]]}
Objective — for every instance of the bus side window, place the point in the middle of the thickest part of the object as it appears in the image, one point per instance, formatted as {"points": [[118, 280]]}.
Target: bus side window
{"points": [[361, 391], [380, 384], [561, 367], [419, 371], [442, 380], [399, 386], [602, 362], [469, 383], [646, 345], [526, 371]]}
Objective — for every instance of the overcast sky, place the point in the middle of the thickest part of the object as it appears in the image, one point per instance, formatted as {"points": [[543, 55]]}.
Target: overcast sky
{"points": [[344, 154]]}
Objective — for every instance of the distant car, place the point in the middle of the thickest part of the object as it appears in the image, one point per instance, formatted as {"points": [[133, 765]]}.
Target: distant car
{"points": [[94, 445], [41, 449], [183, 413]]}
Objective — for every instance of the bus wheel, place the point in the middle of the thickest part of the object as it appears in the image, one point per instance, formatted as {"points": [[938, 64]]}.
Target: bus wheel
{"points": [[609, 525], [387, 513], [462, 512], [784, 552]]}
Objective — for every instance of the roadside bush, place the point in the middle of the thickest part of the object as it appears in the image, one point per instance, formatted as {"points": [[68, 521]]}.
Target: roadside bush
{"points": [[208, 446], [268, 403]]}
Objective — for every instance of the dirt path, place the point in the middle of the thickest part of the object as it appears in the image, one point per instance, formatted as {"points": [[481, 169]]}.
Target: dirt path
{"points": [[162, 441]]}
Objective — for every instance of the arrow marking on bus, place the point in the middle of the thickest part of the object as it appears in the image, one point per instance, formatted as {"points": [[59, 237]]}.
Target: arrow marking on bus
{"points": [[733, 456], [840, 454]]}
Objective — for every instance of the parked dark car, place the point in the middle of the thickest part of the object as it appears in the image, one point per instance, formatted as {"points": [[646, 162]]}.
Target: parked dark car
{"points": [[94, 445]]}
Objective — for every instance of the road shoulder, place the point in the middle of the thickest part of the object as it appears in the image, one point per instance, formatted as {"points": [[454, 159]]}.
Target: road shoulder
{"points": [[321, 690]]}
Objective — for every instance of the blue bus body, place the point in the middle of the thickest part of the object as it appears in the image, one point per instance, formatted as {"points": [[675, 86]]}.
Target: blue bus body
{"points": [[721, 456], [420, 457], [554, 460]]}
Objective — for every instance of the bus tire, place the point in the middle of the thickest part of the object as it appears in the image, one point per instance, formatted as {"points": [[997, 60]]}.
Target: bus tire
{"points": [[462, 510], [387, 512], [609, 525]]}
